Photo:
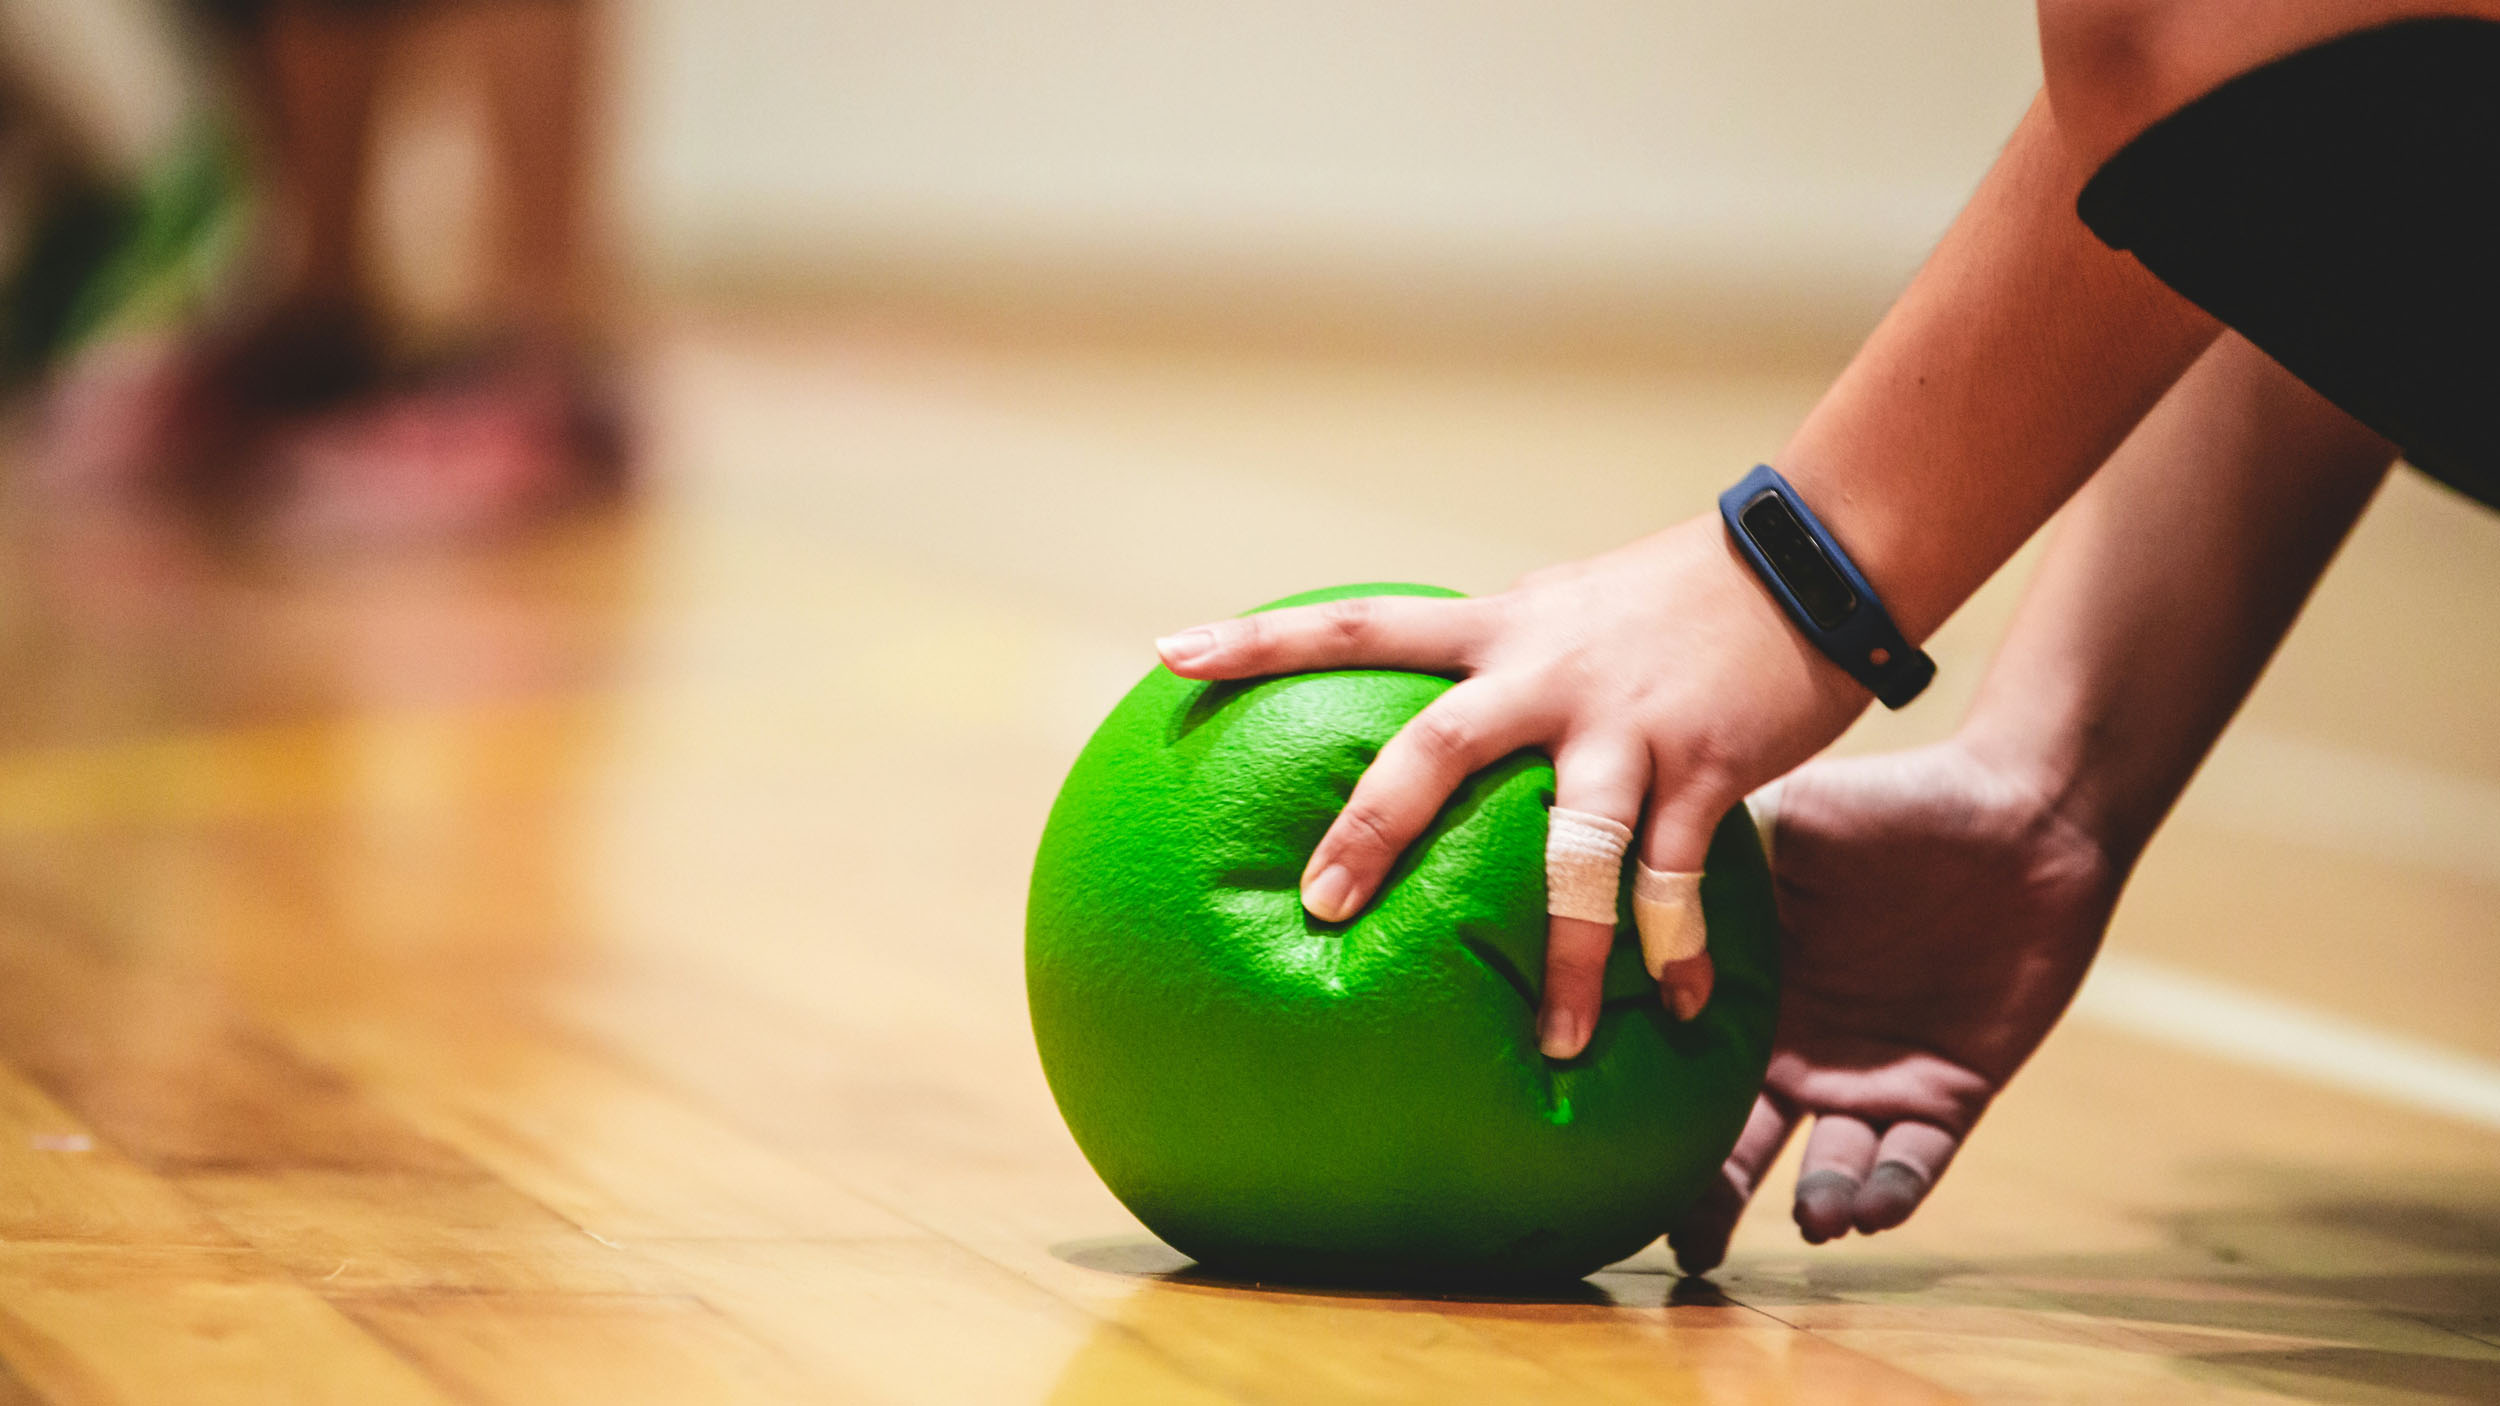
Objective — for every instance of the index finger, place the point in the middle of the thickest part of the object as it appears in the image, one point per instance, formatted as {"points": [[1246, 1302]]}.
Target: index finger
{"points": [[1433, 634]]}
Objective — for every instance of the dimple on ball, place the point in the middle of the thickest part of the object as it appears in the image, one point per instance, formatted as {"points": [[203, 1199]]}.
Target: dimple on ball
{"points": [[1290, 1100]]}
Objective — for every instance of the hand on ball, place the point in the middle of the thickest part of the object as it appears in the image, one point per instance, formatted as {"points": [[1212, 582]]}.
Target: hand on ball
{"points": [[1660, 677]]}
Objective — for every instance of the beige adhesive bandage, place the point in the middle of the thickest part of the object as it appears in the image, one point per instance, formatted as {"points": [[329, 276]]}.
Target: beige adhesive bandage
{"points": [[1584, 864], [1666, 907]]}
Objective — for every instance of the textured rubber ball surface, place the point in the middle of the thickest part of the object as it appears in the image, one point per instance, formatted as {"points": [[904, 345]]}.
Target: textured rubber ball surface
{"points": [[1290, 1100]]}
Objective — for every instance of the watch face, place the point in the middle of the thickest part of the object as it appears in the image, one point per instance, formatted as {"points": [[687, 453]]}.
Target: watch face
{"points": [[1798, 560]]}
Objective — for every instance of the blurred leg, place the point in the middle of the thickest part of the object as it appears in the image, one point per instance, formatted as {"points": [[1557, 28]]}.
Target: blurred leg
{"points": [[538, 86], [313, 69], [188, 406], [525, 424]]}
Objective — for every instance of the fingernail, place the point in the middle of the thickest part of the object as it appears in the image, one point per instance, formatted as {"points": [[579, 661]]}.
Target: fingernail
{"points": [[1187, 647], [1558, 1034], [1687, 1003], [1330, 897], [1892, 1191], [1823, 1205]]}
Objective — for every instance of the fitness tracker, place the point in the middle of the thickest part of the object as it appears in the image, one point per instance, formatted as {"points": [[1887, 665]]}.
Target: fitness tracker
{"points": [[1822, 591]]}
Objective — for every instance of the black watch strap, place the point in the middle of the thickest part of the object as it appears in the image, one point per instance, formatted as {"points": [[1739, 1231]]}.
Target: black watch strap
{"points": [[1822, 590]]}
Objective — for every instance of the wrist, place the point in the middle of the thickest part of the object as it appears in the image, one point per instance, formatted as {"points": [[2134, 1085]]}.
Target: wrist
{"points": [[1908, 563], [1749, 608], [1815, 578], [2062, 768]]}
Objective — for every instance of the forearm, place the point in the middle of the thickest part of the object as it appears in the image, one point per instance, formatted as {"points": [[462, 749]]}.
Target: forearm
{"points": [[2018, 359], [2167, 587]]}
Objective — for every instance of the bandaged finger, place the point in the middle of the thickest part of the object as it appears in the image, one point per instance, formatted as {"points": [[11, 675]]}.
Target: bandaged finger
{"points": [[1666, 907], [1584, 864]]}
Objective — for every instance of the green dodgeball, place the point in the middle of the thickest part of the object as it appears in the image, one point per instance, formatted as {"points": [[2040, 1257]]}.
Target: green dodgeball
{"points": [[1285, 1099]]}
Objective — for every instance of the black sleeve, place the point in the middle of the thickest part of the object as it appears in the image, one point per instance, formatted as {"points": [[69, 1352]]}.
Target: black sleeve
{"points": [[2340, 208]]}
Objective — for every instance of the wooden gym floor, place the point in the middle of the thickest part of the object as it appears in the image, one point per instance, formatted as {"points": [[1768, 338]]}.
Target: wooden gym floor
{"points": [[589, 970]]}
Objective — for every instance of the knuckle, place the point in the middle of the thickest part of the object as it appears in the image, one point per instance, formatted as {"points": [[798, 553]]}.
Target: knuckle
{"points": [[1246, 637], [1362, 830], [1574, 961], [1493, 614], [1443, 737], [1350, 621], [1701, 764], [1584, 673]]}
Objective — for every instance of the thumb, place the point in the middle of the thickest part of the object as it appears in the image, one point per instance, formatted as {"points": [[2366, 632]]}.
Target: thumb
{"points": [[1700, 1238]]}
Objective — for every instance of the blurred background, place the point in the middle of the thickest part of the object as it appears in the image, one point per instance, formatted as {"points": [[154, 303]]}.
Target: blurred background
{"points": [[374, 269], [553, 556], [1651, 174], [1665, 175]]}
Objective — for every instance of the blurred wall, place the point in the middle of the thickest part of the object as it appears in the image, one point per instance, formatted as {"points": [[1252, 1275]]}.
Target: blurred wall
{"points": [[1718, 167]]}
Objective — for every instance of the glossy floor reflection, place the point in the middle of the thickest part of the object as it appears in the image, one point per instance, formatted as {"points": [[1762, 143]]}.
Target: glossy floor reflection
{"points": [[588, 969]]}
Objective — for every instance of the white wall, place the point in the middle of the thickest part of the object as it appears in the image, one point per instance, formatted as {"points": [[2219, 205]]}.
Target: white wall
{"points": [[1783, 154]]}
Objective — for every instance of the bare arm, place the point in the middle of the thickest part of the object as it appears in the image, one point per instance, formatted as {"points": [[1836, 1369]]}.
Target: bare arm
{"points": [[1660, 676], [2016, 361], [1943, 905], [2114, 67], [2167, 589]]}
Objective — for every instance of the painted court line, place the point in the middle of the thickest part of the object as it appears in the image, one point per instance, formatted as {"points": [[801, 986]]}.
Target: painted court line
{"points": [[2351, 802], [2174, 1007]]}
